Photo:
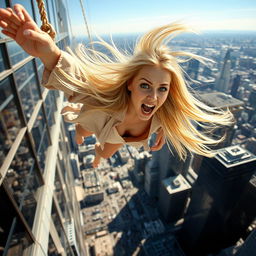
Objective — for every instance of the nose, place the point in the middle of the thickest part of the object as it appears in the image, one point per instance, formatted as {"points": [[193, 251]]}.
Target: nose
{"points": [[152, 95]]}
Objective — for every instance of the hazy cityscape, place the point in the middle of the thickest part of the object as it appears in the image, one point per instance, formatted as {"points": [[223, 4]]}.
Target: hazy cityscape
{"points": [[136, 202], [144, 203]]}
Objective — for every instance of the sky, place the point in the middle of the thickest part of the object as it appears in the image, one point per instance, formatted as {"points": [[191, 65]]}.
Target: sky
{"points": [[133, 16]]}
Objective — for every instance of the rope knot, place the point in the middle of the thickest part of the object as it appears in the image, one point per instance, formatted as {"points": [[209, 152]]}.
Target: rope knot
{"points": [[48, 28]]}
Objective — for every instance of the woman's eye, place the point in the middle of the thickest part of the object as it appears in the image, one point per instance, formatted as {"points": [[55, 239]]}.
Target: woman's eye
{"points": [[144, 86], [163, 89]]}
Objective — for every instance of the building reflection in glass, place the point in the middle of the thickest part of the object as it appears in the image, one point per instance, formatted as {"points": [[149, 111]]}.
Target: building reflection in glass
{"points": [[16, 54], [27, 87], [13, 236], [50, 107], [22, 180], [41, 138], [40, 69], [60, 230], [60, 196], [9, 120], [3, 64]]}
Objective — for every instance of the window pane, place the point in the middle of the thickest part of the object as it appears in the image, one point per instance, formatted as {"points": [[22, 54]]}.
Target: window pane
{"points": [[40, 69], [9, 119], [50, 107], [16, 53], [11, 226], [41, 138], [27, 86], [61, 232], [37, 14], [60, 196], [52, 14], [52, 250], [22, 179], [2, 4], [26, 4], [3, 62]]}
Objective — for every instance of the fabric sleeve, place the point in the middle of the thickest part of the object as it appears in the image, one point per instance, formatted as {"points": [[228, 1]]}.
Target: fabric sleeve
{"points": [[55, 79]]}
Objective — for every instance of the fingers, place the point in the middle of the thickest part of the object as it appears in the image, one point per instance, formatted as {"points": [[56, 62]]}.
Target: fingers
{"points": [[9, 16], [14, 18], [7, 33], [22, 13], [19, 10]]}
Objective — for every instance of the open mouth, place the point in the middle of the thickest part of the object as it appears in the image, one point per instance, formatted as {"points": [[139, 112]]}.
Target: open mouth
{"points": [[147, 109]]}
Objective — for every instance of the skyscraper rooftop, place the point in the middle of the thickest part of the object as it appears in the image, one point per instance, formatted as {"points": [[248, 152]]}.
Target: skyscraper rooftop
{"points": [[176, 184], [234, 155], [220, 99]]}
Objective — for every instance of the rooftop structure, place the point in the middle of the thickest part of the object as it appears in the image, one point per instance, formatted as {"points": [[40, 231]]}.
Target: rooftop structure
{"points": [[176, 184], [221, 100], [234, 155]]}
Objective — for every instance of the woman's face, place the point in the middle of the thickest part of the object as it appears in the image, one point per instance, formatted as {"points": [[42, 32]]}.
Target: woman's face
{"points": [[149, 90]]}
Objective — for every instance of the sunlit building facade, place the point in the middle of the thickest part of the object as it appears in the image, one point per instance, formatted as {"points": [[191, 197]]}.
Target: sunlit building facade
{"points": [[39, 211]]}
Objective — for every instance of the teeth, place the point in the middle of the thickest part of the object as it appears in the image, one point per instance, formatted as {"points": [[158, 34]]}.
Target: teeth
{"points": [[150, 106]]}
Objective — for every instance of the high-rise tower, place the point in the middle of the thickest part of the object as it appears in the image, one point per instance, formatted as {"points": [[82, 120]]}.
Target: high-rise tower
{"points": [[38, 203], [235, 86], [223, 82], [216, 194]]}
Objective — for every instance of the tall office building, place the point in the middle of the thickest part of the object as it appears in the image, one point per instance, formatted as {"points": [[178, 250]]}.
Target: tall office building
{"points": [[222, 101], [193, 69], [216, 194], [173, 197], [151, 182], [235, 86], [223, 81], [252, 97], [164, 163], [39, 211]]}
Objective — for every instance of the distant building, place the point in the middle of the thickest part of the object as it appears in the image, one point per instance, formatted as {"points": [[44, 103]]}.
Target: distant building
{"points": [[165, 163], [222, 101], [193, 69], [223, 82], [151, 183], [252, 97], [217, 192], [140, 162], [235, 86], [173, 196], [251, 145], [161, 245]]}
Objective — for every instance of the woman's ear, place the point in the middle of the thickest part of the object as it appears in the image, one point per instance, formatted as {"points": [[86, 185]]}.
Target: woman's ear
{"points": [[128, 84]]}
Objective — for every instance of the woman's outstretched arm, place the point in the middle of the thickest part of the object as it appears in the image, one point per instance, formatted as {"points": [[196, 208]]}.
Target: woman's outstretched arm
{"points": [[18, 25]]}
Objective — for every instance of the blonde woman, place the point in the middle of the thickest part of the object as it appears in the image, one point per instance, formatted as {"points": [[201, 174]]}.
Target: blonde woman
{"points": [[126, 98]]}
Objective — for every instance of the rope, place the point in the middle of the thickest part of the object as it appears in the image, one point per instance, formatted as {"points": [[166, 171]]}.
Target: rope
{"points": [[85, 21], [46, 26]]}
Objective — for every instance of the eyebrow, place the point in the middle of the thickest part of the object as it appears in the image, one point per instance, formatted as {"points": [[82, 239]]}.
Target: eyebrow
{"points": [[164, 84]]}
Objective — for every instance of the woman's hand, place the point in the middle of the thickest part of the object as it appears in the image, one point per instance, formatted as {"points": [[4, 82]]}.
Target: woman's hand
{"points": [[160, 141], [18, 25]]}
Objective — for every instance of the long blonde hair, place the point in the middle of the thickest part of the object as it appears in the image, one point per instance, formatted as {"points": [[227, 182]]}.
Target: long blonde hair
{"points": [[107, 77]]}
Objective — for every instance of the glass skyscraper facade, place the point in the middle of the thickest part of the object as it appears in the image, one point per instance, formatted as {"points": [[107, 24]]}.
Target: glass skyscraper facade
{"points": [[38, 204]]}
